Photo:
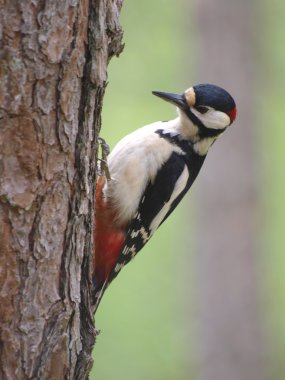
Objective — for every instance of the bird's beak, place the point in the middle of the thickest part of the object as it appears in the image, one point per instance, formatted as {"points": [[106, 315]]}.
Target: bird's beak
{"points": [[176, 99]]}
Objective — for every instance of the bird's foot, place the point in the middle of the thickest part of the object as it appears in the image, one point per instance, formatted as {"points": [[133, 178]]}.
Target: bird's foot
{"points": [[105, 150]]}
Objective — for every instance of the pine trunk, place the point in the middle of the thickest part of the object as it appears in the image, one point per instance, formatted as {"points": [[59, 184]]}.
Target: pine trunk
{"points": [[53, 73]]}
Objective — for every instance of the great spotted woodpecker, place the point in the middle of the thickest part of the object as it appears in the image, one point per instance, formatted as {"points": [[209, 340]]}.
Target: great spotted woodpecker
{"points": [[151, 170]]}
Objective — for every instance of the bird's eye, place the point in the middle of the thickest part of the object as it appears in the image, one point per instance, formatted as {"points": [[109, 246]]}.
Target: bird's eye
{"points": [[202, 109]]}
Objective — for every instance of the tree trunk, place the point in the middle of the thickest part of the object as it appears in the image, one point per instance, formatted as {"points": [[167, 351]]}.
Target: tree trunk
{"points": [[54, 56]]}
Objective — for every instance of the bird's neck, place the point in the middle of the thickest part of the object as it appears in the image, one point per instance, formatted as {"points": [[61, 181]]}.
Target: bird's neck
{"points": [[190, 132]]}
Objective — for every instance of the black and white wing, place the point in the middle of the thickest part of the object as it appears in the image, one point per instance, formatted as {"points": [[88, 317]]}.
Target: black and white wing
{"points": [[158, 201]]}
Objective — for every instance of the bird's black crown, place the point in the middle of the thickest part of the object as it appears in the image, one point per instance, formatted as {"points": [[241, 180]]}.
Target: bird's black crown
{"points": [[213, 96]]}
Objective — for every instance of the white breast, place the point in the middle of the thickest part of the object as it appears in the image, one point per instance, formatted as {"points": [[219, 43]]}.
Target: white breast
{"points": [[134, 162]]}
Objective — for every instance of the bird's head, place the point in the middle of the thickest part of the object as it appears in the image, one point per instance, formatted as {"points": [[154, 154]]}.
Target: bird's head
{"points": [[210, 108]]}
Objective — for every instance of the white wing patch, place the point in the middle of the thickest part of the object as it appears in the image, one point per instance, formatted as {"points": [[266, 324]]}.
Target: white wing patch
{"points": [[179, 187]]}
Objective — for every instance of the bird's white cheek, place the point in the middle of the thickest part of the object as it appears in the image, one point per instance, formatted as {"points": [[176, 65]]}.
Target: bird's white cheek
{"points": [[213, 119]]}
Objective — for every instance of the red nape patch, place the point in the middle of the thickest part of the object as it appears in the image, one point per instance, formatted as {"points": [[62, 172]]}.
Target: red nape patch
{"points": [[232, 114]]}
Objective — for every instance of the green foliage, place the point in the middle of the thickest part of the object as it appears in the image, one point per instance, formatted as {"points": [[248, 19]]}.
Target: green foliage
{"points": [[272, 154]]}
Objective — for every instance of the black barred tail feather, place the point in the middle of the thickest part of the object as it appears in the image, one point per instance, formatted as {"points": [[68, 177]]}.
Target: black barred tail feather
{"points": [[137, 236]]}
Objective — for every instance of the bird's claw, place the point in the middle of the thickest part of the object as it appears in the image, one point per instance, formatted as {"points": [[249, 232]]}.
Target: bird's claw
{"points": [[105, 150]]}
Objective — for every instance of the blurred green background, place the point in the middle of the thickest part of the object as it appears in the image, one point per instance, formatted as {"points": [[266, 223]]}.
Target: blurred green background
{"points": [[204, 305]]}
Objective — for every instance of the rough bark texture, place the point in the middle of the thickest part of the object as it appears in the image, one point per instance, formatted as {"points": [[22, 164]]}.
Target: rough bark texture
{"points": [[230, 338], [54, 55]]}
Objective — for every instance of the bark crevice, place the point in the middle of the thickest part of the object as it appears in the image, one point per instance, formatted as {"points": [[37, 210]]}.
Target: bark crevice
{"points": [[53, 75]]}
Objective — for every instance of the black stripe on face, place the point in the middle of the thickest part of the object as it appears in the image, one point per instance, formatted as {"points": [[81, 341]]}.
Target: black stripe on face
{"points": [[203, 130]]}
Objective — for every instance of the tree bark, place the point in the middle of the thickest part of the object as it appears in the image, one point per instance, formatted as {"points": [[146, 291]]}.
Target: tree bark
{"points": [[53, 74]]}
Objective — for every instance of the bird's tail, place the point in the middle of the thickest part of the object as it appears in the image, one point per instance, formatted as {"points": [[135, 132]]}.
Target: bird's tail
{"points": [[98, 292]]}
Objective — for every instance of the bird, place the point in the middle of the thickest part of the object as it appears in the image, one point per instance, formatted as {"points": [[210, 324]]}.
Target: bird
{"points": [[150, 170]]}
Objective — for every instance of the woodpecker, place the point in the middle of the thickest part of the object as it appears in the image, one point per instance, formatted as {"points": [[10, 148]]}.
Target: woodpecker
{"points": [[150, 171]]}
